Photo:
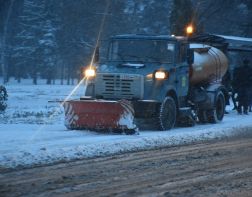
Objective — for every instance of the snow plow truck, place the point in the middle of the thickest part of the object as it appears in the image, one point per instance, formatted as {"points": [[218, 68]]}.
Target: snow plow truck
{"points": [[151, 82]]}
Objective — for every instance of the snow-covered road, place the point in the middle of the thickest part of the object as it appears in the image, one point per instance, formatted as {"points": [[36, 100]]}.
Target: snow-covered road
{"points": [[27, 144], [31, 139]]}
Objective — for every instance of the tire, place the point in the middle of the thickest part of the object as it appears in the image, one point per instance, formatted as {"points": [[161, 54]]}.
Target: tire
{"points": [[168, 114], [130, 131], [216, 115]]}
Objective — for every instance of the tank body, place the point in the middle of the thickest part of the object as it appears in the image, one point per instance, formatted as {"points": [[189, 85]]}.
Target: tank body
{"points": [[210, 64]]}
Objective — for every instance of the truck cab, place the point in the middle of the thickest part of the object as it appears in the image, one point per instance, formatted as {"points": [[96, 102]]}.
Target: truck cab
{"points": [[143, 68]]}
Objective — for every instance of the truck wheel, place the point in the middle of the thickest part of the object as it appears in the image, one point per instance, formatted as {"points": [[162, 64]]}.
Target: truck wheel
{"points": [[168, 113], [216, 115]]}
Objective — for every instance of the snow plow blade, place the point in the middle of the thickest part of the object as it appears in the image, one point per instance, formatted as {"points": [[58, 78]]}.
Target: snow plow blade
{"points": [[99, 115]]}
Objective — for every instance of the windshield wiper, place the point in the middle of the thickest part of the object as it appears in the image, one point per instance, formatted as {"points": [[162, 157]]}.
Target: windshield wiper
{"points": [[124, 57], [132, 65]]}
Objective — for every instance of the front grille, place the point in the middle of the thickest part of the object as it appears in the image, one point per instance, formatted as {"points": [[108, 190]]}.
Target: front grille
{"points": [[119, 86]]}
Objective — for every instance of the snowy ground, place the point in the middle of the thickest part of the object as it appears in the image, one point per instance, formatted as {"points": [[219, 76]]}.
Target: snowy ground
{"points": [[33, 132]]}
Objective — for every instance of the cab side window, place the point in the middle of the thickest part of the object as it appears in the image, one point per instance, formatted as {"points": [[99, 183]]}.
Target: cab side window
{"points": [[182, 53]]}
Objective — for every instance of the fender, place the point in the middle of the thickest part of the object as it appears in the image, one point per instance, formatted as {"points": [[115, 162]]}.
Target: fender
{"points": [[165, 91], [214, 87], [212, 91]]}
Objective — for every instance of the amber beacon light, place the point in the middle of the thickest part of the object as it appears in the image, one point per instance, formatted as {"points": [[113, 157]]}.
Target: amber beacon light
{"points": [[189, 30]]}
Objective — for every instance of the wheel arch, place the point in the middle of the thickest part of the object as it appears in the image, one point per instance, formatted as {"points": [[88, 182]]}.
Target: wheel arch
{"points": [[173, 94]]}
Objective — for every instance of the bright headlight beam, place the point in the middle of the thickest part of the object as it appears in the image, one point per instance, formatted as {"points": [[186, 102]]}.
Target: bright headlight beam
{"points": [[84, 80], [90, 73]]}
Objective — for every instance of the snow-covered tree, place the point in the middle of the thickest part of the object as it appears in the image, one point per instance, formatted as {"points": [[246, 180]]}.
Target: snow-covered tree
{"points": [[28, 51], [47, 41], [156, 17], [227, 17], [47, 36], [36, 43], [247, 9], [3, 42], [48, 46], [182, 14]]}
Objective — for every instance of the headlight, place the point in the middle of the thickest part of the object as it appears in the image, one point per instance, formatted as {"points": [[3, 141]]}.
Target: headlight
{"points": [[90, 72], [161, 75]]}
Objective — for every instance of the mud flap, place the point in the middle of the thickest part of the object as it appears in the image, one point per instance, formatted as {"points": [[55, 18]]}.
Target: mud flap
{"points": [[186, 117], [99, 115]]}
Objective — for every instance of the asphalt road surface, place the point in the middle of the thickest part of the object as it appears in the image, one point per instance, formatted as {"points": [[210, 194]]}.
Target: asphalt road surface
{"points": [[216, 168]]}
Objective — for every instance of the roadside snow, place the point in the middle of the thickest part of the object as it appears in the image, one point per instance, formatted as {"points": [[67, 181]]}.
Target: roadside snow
{"points": [[127, 120], [29, 139]]}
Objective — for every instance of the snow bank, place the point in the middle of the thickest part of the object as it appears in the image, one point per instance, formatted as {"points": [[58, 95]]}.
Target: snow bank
{"points": [[26, 144]]}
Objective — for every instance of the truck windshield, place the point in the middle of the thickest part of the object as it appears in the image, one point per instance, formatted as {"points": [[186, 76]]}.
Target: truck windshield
{"points": [[142, 51]]}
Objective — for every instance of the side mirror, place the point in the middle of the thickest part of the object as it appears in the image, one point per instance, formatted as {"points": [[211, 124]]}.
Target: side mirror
{"points": [[190, 56]]}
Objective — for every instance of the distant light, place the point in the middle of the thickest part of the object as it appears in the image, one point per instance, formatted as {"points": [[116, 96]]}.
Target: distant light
{"points": [[172, 35], [189, 29]]}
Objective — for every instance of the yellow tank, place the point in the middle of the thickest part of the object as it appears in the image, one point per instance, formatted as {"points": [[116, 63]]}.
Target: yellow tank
{"points": [[210, 64]]}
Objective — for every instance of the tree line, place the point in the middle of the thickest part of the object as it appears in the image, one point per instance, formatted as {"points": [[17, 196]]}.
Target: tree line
{"points": [[53, 39]]}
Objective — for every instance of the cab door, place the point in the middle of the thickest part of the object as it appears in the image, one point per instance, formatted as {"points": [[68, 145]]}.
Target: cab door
{"points": [[182, 70]]}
